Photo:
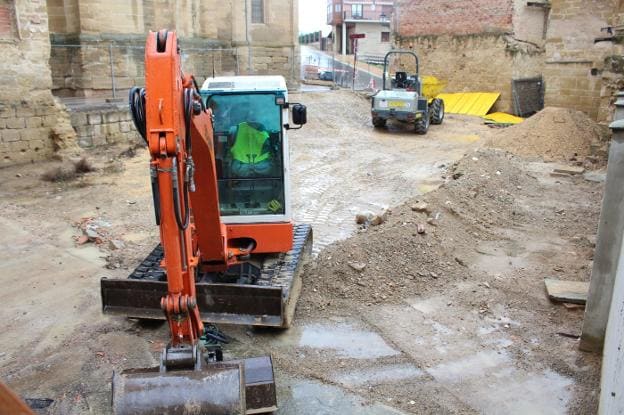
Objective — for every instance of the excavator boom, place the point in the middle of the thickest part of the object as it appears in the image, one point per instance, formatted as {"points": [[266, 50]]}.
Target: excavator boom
{"points": [[178, 132]]}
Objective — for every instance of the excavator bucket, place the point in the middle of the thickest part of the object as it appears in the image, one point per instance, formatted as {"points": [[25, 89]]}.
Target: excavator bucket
{"points": [[235, 387], [268, 299]]}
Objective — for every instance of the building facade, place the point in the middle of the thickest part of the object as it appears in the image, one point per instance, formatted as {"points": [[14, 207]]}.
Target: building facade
{"points": [[368, 17], [223, 37], [87, 48], [484, 45], [33, 124]]}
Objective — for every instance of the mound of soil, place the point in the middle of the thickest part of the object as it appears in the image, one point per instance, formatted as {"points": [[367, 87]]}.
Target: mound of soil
{"points": [[488, 190], [552, 134]]}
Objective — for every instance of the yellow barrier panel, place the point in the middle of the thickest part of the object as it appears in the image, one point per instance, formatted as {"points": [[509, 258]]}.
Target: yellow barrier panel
{"points": [[469, 103], [502, 118]]}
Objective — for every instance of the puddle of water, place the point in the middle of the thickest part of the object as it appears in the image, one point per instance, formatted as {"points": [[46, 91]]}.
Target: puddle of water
{"points": [[496, 259], [377, 375], [470, 367], [490, 383], [313, 398], [346, 341]]}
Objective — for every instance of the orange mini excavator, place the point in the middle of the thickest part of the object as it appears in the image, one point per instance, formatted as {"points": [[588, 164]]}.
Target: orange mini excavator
{"points": [[229, 251]]}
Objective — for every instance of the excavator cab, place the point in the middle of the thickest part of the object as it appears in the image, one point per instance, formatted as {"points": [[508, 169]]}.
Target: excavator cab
{"points": [[249, 148]]}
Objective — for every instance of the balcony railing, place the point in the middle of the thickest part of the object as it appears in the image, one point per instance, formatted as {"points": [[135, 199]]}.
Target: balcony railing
{"points": [[373, 15]]}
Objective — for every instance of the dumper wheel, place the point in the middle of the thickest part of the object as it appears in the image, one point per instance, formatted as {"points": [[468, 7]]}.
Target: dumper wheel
{"points": [[437, 111], [421, 126], [379, 122]]}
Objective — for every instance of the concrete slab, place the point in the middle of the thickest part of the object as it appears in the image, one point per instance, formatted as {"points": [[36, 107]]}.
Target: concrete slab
{"points": [[567, 291], [306, 397], [561, 168]]}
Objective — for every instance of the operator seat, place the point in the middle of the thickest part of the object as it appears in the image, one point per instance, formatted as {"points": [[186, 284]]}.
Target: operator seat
{"points": [[401, 80]]}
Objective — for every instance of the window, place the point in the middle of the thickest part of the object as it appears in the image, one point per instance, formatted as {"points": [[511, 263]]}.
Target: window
{"points": [[249, 154], [356, 11], [257, 11], [385, 36], [337, 8]]}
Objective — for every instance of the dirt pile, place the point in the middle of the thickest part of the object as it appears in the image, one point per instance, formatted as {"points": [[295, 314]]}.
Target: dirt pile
{"points": [[552, 134], [393, 261]]}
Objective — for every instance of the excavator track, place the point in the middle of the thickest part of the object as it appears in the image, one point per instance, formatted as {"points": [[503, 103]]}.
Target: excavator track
{"points": [[264, 294]]}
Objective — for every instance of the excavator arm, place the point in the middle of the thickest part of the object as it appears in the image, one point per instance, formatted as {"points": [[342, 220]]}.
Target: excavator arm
{"points": [[178, 131]]}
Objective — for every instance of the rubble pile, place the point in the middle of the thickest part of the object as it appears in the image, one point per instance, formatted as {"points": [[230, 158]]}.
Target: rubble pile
{"points": [[554, 134]]}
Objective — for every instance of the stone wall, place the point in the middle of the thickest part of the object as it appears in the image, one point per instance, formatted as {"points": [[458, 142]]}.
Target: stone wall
{"points": [[270, 47], [86, 70], [477, 63], [473, 45], [485, 44], [32, 123], [212, 33], [578, 71], [102, 125]]}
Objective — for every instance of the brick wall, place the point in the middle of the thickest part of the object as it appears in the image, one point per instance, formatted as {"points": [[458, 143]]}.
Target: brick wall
{"points": [[455, 17], [32, 123]]}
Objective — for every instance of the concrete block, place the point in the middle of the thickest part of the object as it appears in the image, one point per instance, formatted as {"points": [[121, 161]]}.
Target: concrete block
{"points": [[15, 123], [29, 134], [34, 122], [45, 110], [112, 117], [50, 120], [560, 168], [98, 135], [38, 145], [112, 128], [78, 118], [9, 135], [24, 112], [85, 141], [18, 146], [7, 112], [94, 118]]}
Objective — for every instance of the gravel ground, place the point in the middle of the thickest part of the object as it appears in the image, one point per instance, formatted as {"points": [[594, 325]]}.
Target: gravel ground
{"points": [[454, 320]]}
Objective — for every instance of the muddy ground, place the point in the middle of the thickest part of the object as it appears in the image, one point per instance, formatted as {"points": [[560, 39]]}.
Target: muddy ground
{"points": [[455, 320]]}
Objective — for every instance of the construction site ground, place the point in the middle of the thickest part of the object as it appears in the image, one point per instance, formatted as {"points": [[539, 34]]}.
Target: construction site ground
{"points": [[391, 320]]}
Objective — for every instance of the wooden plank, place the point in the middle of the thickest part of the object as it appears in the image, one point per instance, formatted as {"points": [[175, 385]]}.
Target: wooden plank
{"points": [[567, 291]]}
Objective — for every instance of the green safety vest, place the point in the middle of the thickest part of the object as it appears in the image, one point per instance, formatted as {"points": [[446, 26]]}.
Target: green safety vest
{"points": [[249, 143]]}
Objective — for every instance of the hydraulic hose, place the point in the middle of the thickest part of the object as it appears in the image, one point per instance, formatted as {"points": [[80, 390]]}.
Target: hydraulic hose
{"points": [[182, 223], [136, 99]]}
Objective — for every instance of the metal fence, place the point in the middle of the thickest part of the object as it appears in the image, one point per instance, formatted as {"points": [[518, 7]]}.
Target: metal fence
{"points": [[110, 69], [366, 76]]}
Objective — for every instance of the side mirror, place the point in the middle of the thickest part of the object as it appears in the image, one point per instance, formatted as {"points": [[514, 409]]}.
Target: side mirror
{"points": [[299, 114]]}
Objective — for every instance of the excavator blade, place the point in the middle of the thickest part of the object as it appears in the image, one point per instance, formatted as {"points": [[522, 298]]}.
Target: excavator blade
{"points": [[270, 302], [235, 387]]}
